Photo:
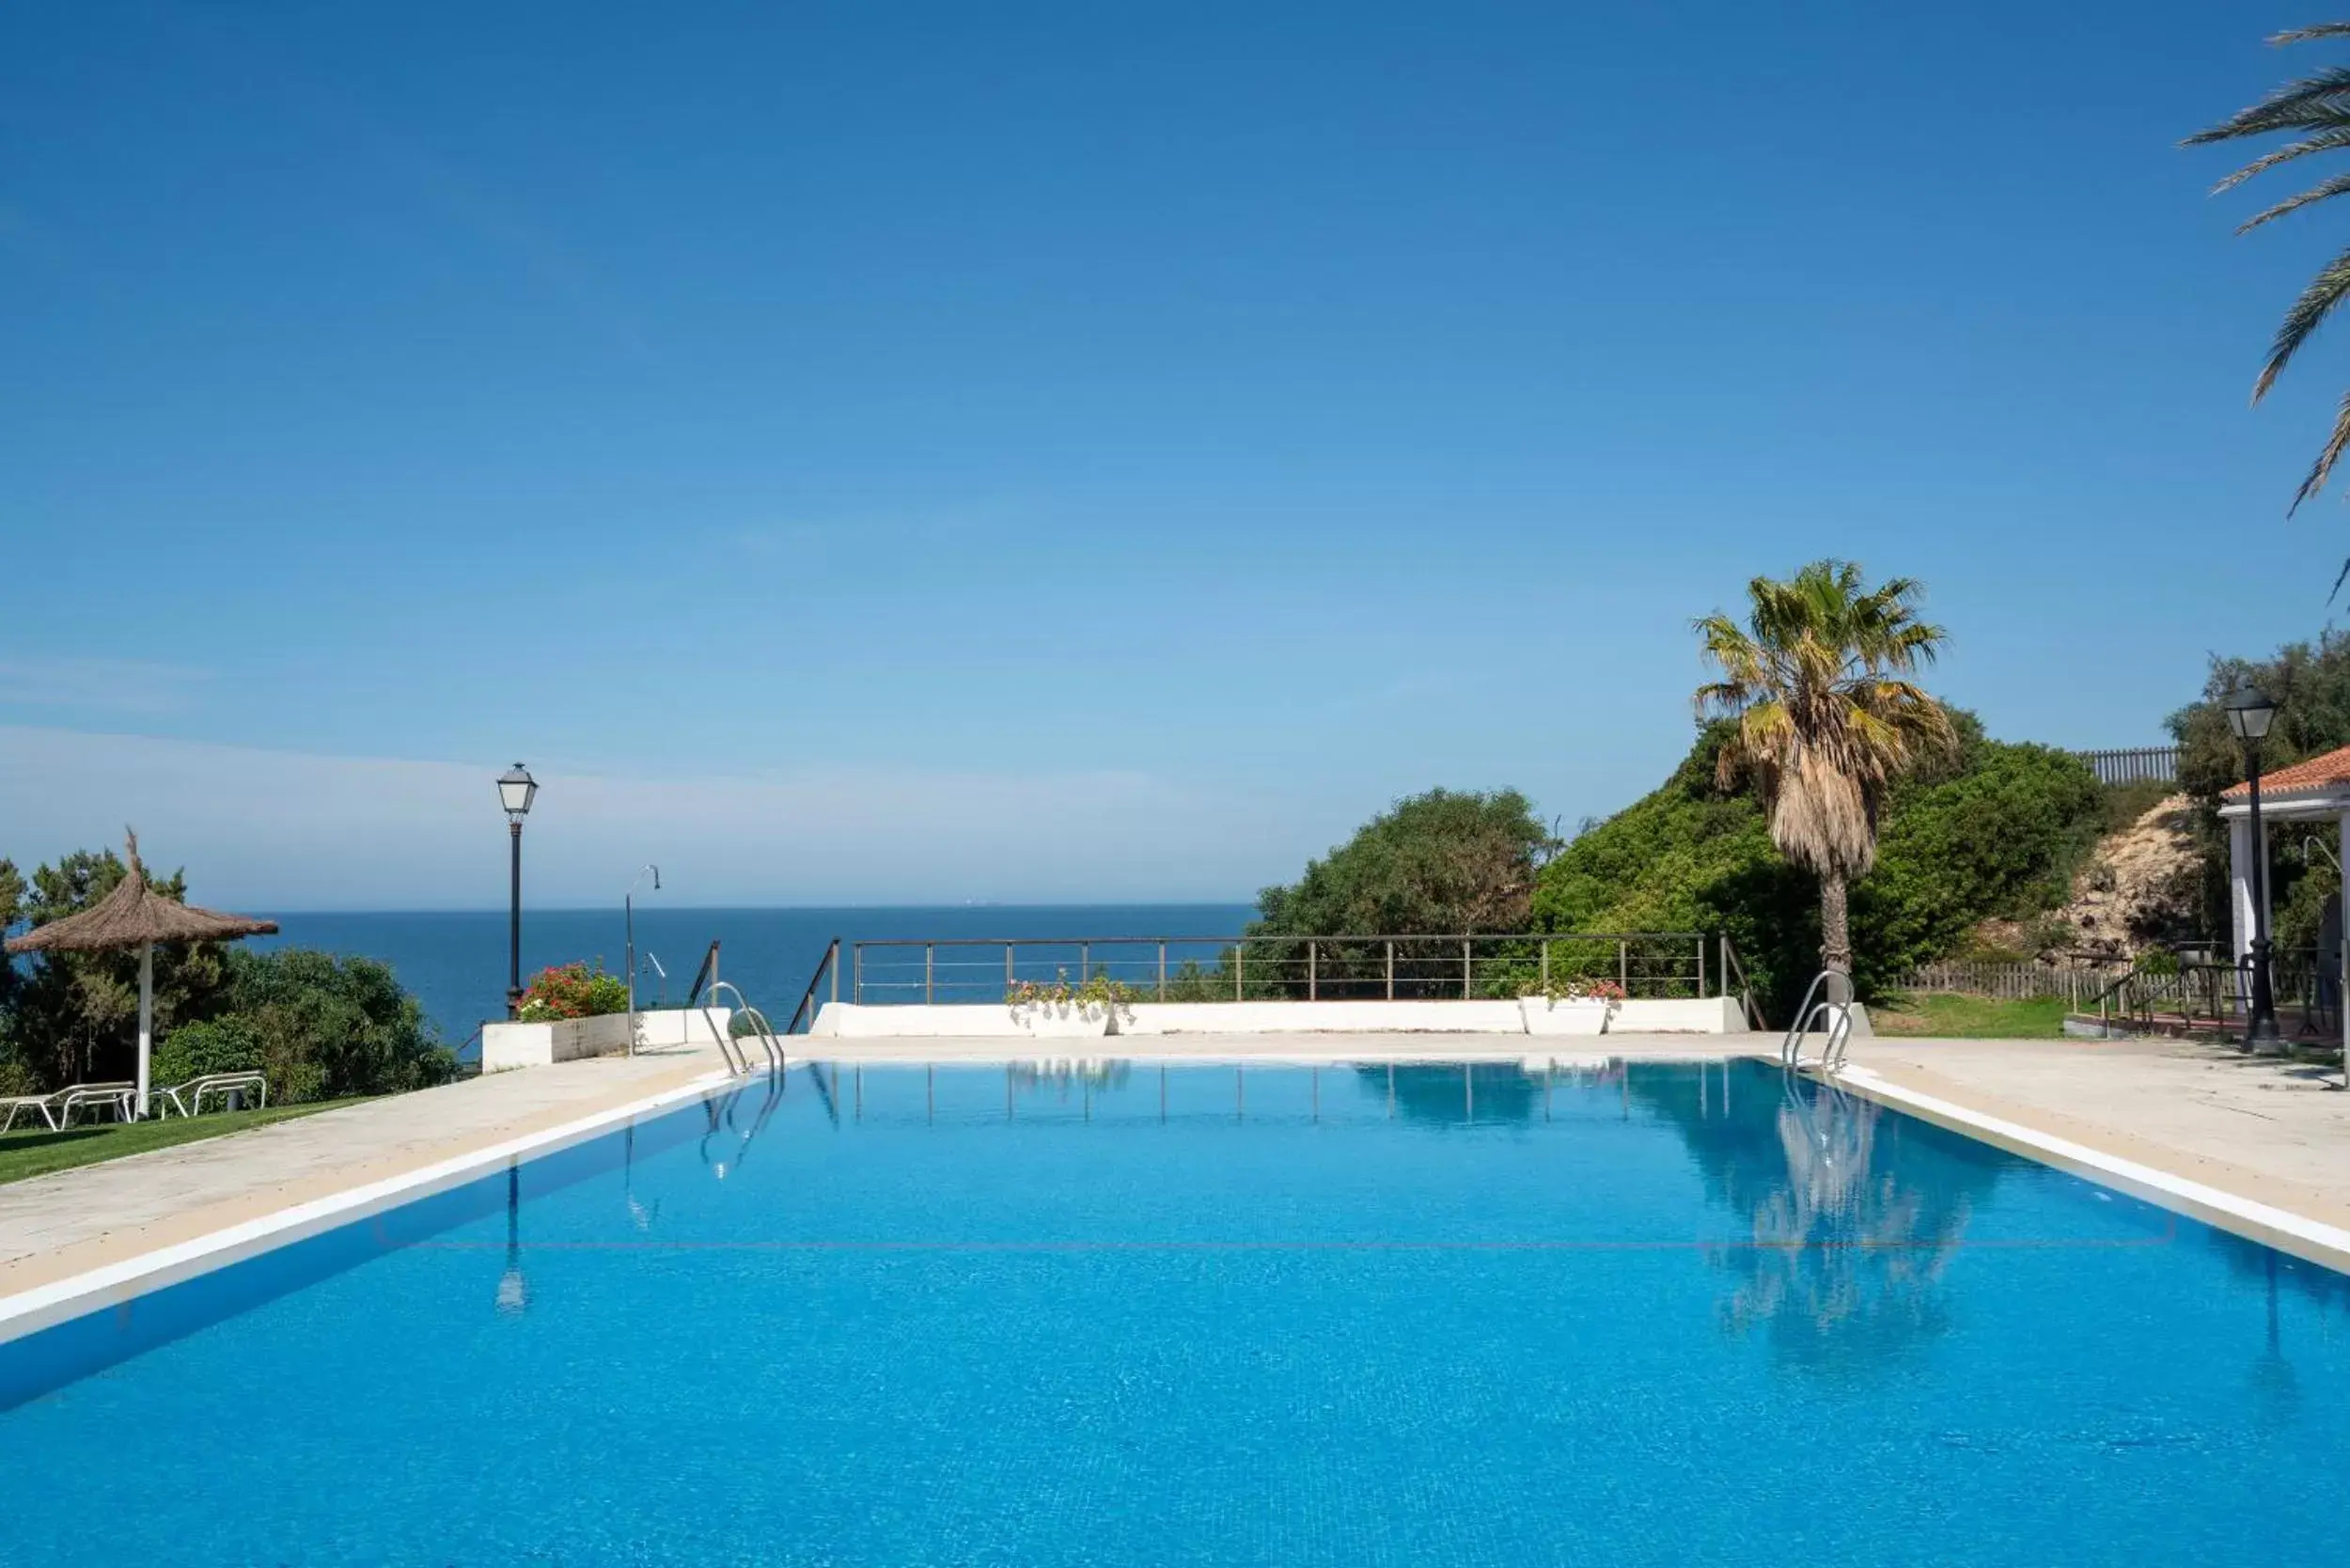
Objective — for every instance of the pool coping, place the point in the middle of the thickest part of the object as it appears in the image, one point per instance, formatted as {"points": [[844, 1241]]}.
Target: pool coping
{"points": [[50, 1302], [2271, 1225]]}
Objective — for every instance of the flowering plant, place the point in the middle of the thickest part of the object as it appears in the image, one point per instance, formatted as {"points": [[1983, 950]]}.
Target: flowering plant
{"points": [[572, 990], [1098, 990], [1577, 990]]}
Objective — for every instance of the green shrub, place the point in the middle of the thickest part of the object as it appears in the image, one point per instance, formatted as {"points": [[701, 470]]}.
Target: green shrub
{"points": [[229, 1045], [330, 1027]]}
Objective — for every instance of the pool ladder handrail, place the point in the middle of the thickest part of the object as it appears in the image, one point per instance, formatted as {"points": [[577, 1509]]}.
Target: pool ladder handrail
{"points": [[1833, 987], [764, 1032]]}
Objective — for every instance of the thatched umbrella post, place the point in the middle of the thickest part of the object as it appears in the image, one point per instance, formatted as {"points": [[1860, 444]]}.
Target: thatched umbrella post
{"points": [[135, 916]]}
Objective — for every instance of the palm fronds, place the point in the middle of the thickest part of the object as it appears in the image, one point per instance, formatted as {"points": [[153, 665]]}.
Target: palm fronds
{"points": [[2317, 106]]}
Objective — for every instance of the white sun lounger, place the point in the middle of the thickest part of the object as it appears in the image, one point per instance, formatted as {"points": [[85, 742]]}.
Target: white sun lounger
{"points": [[58, 1109], [188, 1098]]}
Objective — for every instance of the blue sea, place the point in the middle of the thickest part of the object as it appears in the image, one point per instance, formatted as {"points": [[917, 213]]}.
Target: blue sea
{"points": [[456, 961], [1427, 1316]]}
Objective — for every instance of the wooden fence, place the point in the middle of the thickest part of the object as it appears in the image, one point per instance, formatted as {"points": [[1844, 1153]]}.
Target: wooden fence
{"points": [[2008, 981], [2199, 988], [2139, 764]]}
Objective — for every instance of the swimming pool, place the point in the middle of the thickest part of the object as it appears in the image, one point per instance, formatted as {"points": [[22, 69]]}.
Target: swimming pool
{"points": [[1428, 1314]]}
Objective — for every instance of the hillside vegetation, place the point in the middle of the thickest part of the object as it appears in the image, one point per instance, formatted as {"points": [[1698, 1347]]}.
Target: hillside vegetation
{"points": [[1994, 834]]}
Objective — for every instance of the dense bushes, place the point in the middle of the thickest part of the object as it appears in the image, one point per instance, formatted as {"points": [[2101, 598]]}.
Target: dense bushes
{"points": [[321, 1026], [1994, 834]]}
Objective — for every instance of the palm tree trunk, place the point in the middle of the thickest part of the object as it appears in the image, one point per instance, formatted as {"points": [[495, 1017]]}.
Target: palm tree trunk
{"points": [[1834, 923]]}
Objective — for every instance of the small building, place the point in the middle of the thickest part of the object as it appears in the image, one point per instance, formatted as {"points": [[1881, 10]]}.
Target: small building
{"points": [[2318, 790]]}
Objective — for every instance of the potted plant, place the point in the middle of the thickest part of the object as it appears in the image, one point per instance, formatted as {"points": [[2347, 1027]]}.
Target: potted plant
{"points": [[1063, 1011], [1571, 1007]]}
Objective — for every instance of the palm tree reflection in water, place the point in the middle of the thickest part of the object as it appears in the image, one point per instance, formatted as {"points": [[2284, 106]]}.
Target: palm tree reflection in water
{"points": [[1844, 1254]]}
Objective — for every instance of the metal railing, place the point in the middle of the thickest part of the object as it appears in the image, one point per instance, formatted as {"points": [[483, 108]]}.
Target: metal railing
{"points": [[1309, 968], [805, 1011], [2136, 764], [759, 1030]]}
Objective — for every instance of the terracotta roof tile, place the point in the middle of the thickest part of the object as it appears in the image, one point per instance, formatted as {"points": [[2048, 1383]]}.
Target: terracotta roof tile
{"points": [[2317, 774]]}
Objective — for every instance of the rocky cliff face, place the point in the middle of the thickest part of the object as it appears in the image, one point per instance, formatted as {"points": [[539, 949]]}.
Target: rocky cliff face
{"points": [[2139, 887]]}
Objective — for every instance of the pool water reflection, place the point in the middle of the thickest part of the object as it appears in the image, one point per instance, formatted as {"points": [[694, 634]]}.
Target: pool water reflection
{"points": [[1087, 1311]]}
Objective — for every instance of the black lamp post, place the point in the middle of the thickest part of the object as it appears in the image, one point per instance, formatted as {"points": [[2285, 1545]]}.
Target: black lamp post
{"points": [[2249, 713], [516, 790]]}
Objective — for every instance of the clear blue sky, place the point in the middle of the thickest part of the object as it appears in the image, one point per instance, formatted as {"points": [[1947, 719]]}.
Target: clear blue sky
{"points": [[935, 451]]}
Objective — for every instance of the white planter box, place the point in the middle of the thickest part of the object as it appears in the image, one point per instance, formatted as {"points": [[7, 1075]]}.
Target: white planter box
{"points": [[1540, 1015], [509, 1046], [1044, 1021]]}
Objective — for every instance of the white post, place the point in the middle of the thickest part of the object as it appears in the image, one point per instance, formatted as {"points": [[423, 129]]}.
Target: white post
{"points": [[2341, 992], [2239, 888], [146, 1018], [2240, 905]]}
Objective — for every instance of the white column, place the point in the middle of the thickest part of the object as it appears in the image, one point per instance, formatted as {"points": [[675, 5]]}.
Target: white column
{"points": [[2240, 886], [146, 1018], [2341, 995]]}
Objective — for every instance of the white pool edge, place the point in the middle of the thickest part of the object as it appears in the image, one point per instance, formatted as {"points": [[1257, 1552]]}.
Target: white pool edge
{"points": [[2312, 1240], [39, 1307]]}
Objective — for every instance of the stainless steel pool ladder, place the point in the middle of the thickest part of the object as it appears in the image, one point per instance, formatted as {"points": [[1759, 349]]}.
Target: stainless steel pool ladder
{"points": [[763, 1032], [1832, 989]]}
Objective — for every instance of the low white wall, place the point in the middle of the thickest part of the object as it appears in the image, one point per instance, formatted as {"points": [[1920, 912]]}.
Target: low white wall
{"points": [[987, 1021], [678, 1026], [505, 1046], [1465, 1017]]}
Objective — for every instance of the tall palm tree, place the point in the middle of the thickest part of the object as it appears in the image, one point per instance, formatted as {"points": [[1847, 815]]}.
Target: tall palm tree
{"points": [[2315, 111], [1827, 719]]}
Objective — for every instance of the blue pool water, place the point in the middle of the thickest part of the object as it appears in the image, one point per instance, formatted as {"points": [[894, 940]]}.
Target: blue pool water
{"points": [[1205, 1316]]}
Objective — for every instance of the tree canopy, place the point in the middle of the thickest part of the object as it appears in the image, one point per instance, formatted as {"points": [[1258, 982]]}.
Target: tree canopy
{"points": [[1446, 862]]}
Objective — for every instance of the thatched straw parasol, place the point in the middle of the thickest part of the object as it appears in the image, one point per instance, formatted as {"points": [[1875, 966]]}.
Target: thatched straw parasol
{"points": [[135, 916]]}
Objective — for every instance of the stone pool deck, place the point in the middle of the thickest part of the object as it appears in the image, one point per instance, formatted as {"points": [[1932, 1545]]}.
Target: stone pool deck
{"points": [[2269, 1133], [2265, 1134], [94, 1217]]}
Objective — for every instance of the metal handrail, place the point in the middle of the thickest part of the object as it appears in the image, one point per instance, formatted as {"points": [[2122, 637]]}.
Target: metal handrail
{"points": [[763, 1033], [703, 976], [807, 998], [1836, 1012]]}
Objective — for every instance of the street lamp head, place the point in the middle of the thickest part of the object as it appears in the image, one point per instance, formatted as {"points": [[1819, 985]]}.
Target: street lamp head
{"points": [[2249, 711], [516, 790]]}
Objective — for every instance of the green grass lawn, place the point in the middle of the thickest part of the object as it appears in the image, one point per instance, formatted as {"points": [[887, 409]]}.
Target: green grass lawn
{"points": [[1950, 1015], [37, 1150]]}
